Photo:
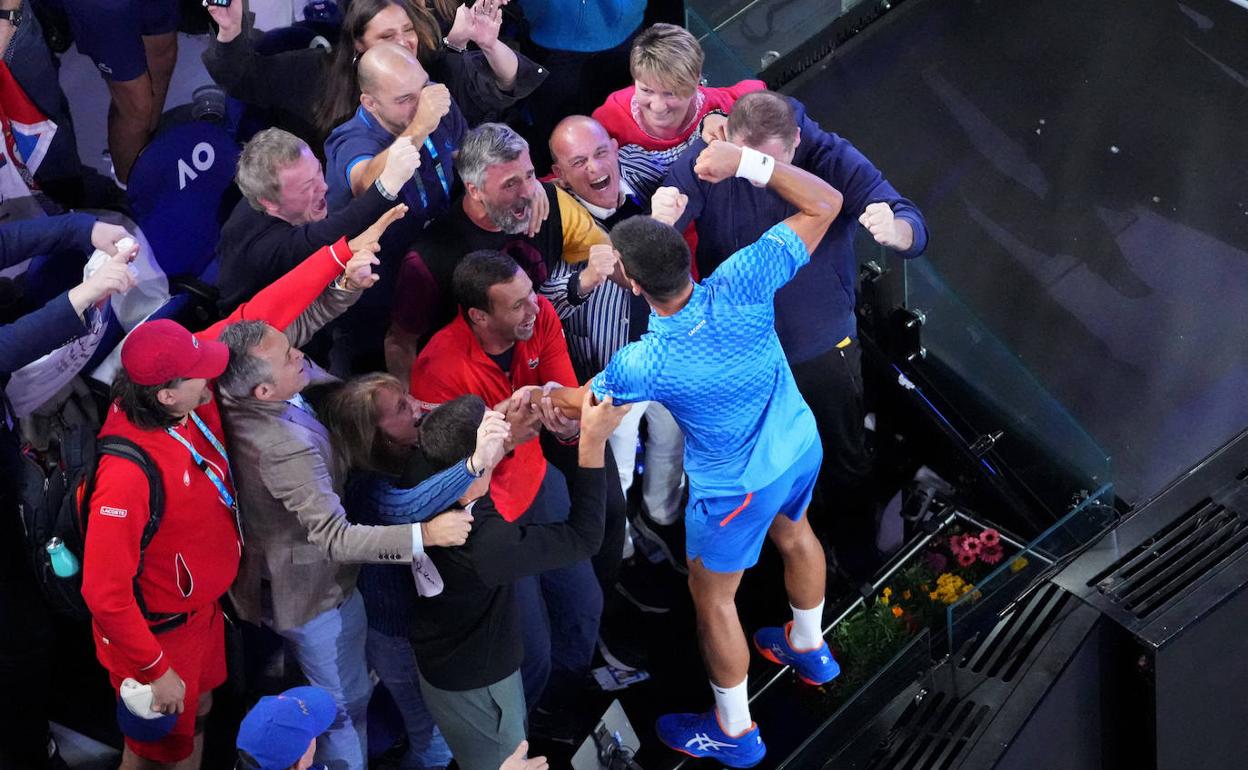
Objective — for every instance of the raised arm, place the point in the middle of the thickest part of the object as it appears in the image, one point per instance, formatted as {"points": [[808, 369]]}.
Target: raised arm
{"points": [[480, 25], [817, 202], [284, 300], [435, 104]]}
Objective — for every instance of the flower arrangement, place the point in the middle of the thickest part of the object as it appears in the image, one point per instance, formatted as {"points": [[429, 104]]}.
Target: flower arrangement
{"points": [[917, 597]]}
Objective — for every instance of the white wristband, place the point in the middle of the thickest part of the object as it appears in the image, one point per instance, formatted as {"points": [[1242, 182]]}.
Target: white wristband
{"points": [[755, 166]]}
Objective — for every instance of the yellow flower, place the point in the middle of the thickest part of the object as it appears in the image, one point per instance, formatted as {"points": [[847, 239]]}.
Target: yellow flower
{"points": [[1018, 564], [887, 592], [884, 600], [897, 612]]}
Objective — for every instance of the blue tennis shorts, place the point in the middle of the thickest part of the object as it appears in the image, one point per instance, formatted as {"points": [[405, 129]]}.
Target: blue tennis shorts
{"points": [[111, 32], [727, 533]]}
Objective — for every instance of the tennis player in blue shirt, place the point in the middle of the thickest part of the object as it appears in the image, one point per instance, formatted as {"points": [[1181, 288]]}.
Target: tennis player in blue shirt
{"points": [[752, 453]]}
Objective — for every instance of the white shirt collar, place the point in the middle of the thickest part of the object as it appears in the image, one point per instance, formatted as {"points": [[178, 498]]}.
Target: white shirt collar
{"points": [[598, 212]]}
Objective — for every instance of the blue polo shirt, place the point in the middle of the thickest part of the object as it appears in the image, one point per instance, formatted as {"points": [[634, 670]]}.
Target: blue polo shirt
{"points": [[360, 139], [718, 367]]}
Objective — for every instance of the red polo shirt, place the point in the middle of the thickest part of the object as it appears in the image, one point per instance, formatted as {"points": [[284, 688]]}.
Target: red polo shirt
{"points": [[454, 364]]}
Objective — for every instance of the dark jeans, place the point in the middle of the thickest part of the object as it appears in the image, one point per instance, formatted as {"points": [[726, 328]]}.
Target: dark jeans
{"points": [[577, 83], [560, 610], [843, 509]]}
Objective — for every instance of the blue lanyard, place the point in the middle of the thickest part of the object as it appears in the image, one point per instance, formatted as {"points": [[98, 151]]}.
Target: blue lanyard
{"points": [[222, 491], [437, 165]]}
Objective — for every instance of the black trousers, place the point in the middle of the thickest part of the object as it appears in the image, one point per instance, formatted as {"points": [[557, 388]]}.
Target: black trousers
{"points": [[608, 559], [844, 508]]}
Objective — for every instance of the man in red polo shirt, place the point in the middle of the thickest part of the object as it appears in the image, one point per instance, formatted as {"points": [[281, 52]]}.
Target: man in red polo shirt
{"points": [[158, 619], [506, 345]]}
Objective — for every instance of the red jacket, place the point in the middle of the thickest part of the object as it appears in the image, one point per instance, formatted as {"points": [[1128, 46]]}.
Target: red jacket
{"points": [[616, 114], [194, 556], [453, 364]]}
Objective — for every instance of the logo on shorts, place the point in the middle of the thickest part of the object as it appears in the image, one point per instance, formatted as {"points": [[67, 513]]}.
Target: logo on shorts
{"points": [[116, 513], [107, 70]]}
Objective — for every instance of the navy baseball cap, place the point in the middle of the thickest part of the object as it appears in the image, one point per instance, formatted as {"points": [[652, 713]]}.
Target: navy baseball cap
{"points": [[137, 728], [277, 731]]}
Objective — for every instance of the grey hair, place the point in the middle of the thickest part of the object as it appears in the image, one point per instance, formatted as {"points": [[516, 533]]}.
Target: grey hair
{"points": [[244, 371], [267, 153], [484, 146]]}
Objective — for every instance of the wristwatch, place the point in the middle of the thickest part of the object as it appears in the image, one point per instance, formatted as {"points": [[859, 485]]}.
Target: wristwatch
{"points": [[13, 16]]}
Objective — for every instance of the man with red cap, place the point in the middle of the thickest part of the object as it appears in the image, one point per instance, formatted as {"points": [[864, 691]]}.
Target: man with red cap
{"points": [[155, 607]]}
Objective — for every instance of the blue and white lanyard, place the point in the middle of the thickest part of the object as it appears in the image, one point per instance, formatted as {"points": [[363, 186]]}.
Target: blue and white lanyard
{"points": [[437, 165], [222, 490]]}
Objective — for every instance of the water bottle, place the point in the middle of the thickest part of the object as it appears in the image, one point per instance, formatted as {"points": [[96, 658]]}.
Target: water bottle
{"points": [[64, 563]]}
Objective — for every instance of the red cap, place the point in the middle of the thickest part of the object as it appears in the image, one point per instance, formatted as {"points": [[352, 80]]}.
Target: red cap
{"points": [[159, 351]]}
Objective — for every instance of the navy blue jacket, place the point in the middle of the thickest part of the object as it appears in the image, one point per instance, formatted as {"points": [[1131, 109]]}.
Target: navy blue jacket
{"points": [[815, 310], [46, 329], [26, 339]]}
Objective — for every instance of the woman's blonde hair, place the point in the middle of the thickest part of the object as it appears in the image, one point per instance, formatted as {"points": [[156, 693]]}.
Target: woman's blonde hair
{"points": [[351, 415], [668, 55]]}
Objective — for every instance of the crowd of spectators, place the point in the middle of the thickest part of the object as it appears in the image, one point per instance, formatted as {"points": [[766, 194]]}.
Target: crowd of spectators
{"points": [[485, 256]]}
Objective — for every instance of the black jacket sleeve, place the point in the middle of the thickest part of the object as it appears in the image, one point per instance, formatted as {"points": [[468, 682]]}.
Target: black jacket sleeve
{"points": [[38, 333], [287, 81], [475, 89], [507, 552], [287, 247]]}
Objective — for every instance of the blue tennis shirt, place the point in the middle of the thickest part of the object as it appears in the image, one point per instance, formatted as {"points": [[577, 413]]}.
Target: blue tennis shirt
{"points": [[718, 367]]}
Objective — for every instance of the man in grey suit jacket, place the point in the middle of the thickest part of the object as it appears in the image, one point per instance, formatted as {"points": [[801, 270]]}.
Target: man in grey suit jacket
{"points": [[301, 555]]}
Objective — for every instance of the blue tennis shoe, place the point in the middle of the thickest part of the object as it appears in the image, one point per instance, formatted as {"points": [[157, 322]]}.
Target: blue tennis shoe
{"points": [[701, 736], [814, 667]]}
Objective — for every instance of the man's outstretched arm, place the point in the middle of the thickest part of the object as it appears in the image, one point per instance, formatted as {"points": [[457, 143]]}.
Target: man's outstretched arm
{"points": [[818, 203]]}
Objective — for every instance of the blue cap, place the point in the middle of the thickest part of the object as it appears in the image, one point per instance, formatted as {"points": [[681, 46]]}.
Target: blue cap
{"points": [[277, 731], [136, 728]]}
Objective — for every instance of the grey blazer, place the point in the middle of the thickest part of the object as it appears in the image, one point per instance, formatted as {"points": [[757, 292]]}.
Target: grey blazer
{"points": [[298, 547]]}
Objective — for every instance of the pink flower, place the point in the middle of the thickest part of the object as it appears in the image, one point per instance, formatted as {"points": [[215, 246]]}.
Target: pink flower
{"points": [[966, 559], [955, 544], [971, 545], [992, 555], [989, 538]]}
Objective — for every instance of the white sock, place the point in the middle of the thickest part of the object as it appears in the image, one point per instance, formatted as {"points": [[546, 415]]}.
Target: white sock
{"points": [[806, 633], [733, 705]]}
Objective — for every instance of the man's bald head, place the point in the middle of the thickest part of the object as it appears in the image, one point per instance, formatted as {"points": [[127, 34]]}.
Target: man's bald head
{"points": [[383, 64], [391, 79], [587, 160]]}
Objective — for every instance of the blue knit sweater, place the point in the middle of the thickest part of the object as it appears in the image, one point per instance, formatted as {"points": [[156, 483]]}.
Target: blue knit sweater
{"points": [[389, 590], [815, 310], [582, 25]]}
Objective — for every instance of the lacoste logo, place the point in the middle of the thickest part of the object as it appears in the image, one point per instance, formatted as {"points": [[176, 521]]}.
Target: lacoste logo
{"points": [[704, 742], [116, 513], [697, 328], [533, 362]]}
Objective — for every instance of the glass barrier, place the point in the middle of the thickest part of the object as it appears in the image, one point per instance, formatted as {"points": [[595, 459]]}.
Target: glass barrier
{"points": [[978, 609], [854, 709], [723, 65], [989, 388], [755, 33]]}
